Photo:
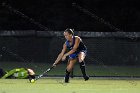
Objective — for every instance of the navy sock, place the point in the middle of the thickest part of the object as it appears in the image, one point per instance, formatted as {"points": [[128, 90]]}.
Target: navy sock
{"points": [[82, 67], [67, 76]]}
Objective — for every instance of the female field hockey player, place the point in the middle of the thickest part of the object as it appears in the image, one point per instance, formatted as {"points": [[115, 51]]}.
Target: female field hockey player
{"points": [[76, 51]]}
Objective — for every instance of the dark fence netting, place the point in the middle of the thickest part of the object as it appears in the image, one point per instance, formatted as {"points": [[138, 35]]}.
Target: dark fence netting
{"points": [[107, 56]]}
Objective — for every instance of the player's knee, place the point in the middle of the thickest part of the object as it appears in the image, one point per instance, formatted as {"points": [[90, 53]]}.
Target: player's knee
{"points": [[69, 69], [81, 60]]}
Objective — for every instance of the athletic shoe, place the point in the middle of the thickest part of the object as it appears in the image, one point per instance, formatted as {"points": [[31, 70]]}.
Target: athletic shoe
{"points": [[66, 80], [86, 78]]}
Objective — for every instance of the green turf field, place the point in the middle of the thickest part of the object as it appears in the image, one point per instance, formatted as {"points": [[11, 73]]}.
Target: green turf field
{"points": [[76, 85]]}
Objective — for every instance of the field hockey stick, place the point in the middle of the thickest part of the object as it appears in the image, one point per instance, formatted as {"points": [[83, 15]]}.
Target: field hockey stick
{"points": [[38, 77]]}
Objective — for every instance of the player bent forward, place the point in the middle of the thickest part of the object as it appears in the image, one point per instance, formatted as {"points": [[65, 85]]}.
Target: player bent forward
{"points": [[76, 51]]}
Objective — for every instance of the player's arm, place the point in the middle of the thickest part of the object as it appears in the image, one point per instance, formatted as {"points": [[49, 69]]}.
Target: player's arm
{"points": [[60, 55], [76, 45], [11, 72]]}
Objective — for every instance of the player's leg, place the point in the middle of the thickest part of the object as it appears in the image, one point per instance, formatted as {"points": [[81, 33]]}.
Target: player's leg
{"points": [[2, 72], [81, 58], [69, 68]]}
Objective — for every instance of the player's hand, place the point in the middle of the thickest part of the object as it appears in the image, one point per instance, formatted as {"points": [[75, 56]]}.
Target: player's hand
{"points": [[64, 58], [54, 65]]}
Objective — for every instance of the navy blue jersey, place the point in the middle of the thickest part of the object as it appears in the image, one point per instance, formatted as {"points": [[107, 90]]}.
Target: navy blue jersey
{"points": [[81, 46]]}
